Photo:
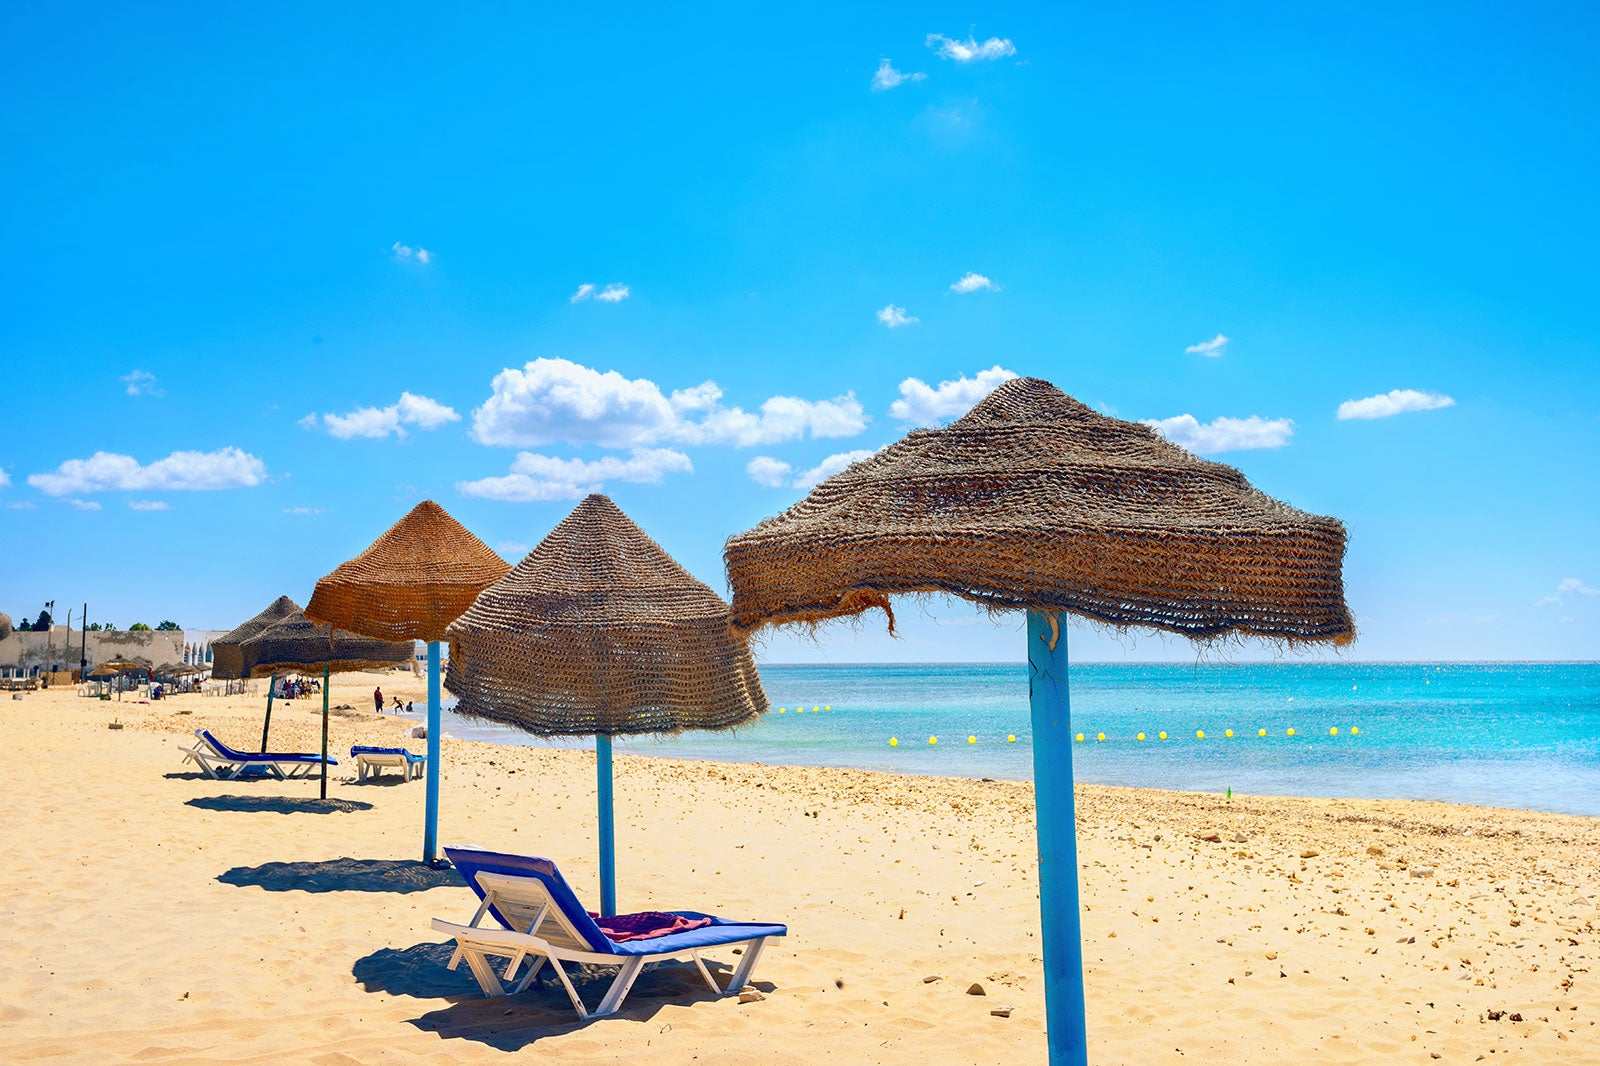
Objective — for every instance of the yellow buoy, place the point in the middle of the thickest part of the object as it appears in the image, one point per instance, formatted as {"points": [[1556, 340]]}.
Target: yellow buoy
{"points": [[827, 706], [1354, 731], [1079, 738], [972, 740], [894, 742], [780, 710], [1162, 734], [1291, 731], [1011, 738], [1199, 734], [933, 740], [1334, 731], [813, 710], [1099, 736], [1227, 732], [1139, 737], [1261, 732]]}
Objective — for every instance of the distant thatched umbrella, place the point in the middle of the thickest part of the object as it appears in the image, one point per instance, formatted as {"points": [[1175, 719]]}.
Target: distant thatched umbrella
{"points": [[410, 584], [298, 645], [1033, 501], [600, 631], [5, 625], [119, 667], [227, 661]]}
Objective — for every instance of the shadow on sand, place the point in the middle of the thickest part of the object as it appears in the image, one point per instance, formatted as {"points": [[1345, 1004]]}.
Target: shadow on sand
{"points": [[344, 875], [512, 1023], [279, 804]]}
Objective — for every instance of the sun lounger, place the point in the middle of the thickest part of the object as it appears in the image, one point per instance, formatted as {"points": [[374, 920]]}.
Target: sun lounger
{"points": [[539, 918], [218, 761], [371, 760]]}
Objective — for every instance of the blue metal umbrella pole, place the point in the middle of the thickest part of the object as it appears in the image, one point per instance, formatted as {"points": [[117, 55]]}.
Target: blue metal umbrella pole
{"points": [[430, 818], [608, 832], [1050, 703]]}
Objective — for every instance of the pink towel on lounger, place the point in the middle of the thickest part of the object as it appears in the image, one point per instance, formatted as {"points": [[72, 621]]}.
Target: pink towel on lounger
{"points": [[645, 925]]}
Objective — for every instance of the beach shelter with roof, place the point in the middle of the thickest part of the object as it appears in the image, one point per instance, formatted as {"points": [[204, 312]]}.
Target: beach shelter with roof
{"points": [[1034, 502], [599, 631], [298, 645], [5, 625], [410, 584], [227, 661]]}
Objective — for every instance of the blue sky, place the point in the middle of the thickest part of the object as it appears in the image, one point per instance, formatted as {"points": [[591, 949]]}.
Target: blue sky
{"points": [[220, 227]]}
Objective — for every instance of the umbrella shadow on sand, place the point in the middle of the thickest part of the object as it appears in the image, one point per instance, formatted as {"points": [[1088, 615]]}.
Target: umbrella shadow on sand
{"points": [[513, 1022], [343, 875], [278, 804]]}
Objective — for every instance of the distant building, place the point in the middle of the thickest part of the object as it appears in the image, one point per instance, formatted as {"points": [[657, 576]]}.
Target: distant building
{"points": [[35, 652]]}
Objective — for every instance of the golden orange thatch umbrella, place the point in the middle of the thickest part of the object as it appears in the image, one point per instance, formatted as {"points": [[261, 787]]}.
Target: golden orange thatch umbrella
{"points": [[599, 631], [1034, 502], [410, 584], [227, 661]]}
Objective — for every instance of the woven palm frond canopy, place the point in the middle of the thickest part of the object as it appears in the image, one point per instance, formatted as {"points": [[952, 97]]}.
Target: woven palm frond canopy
{"points": [[5, 626], [411, 582], [600, 631], [227, 663], [1034, 501], [298, 645]]}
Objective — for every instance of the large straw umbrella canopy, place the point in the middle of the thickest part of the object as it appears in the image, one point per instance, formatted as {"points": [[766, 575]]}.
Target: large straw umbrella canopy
{"points": [[411, 582], [599, 631], [1033, 501], [5, 625], [227, 662]]}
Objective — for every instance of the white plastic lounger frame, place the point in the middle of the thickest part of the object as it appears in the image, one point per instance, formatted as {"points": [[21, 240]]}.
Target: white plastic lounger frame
{"points": [[219, 767], [374, 763], [526, 903]]}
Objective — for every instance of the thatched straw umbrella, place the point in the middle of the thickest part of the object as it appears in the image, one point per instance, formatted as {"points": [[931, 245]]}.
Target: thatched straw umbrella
{"points": [[227, 661], [1034, 502], [599, 631], [298, 645], [410, 584], [5, 625]]}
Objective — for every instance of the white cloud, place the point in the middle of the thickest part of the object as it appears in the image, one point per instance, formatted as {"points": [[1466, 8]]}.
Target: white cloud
{"points": [[895, 317], [1568, 588], [765, 470], [970, 49], [404, 252], [971, 282], [775, 473], [1393, 402], [21, 505], [302, 510], [5, 478], [1223, 434], [810, 479], [545, 477], [141, 383], [150, 505], [83, 505], [512, 550], [886, 77], [377, 422], [612, 294], [1213, 347], [924, 405], [552, 401], [226, 468]]}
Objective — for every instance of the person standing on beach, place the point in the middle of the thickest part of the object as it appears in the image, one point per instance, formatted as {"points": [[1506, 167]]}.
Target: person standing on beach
{"points": [[377, 700]]}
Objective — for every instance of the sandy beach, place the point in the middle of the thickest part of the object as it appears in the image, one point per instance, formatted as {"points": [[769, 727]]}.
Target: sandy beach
{"points": [[156, 916]]}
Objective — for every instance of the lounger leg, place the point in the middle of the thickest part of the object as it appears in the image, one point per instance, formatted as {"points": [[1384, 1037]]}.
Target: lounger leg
{"points": [[741, 976], [712, 981], [528, 978], [620, 987], [572, 993], [478, 962], [455, 958]]}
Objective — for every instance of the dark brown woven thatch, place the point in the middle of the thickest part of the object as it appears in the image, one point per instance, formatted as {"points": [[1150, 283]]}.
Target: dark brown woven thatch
{"points": [[599, 630], [1034, 501], [411, 582], [297, 645], [227, 663]]}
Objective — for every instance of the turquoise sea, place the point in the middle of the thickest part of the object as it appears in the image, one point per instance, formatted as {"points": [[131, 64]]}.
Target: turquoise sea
{"points": [[1523, 735]]}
